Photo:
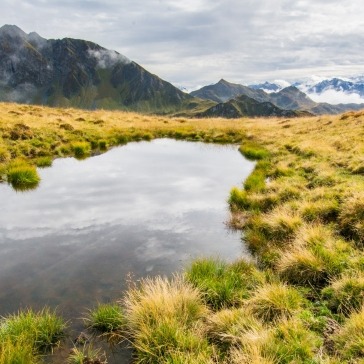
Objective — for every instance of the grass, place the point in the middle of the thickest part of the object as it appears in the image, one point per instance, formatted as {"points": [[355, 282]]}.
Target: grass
{"points": [[162, 317], [275, 301], [22, 176], [349, 339], [223, 284], [86, 355], [346, 294], [301, 213], [27, 334], [105, 318]]}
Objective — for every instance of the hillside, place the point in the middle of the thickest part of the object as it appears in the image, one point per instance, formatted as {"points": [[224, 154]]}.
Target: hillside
{"points": [[73, 72], [224, 91], [243, 106]]}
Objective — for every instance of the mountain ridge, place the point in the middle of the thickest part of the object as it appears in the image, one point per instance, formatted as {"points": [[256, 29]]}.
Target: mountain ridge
{"points": [[78, 73]]}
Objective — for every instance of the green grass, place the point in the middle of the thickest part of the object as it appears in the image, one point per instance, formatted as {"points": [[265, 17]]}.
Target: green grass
{"points": [[349, 339], [42, 330], [163, 317], [223, 284], [20, 352], [22, 176], [275, 301], [105, 318], [346, 294], [86, 355], [81, 150], [253, 150], [43, 162]]}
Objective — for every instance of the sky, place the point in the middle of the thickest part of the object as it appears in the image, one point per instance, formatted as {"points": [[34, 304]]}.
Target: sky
{"points": [[192, 43]]}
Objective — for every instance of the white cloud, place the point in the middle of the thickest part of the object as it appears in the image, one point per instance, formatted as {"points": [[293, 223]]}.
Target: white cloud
{"points": [[336, 97], [107, 58], [199, 41]]}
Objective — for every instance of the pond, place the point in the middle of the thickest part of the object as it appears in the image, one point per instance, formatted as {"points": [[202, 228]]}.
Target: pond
{"points": [[139, 210]]}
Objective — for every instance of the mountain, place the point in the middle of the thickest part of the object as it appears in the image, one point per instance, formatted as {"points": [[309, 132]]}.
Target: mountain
{"points": [[289, 98], [224, 91], [266, 86], [246, 106], [338, 84], [294, 99], [78, 73]]}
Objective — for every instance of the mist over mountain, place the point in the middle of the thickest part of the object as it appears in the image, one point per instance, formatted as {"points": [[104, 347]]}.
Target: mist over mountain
{"points": [[78, 73]]}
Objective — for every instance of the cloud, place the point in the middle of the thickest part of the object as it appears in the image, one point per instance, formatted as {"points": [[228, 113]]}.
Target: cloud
{"points": [[336, 97], [198, 42], [107, 58]]}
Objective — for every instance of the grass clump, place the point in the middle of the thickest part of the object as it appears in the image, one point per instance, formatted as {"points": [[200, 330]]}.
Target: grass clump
{"points": [[253, 151], [43, 162], [20, 352], [86, 355], [346, 294], [275, 301], [316, 256], [291, 342], [349, 339], [105, 318], [229, 327], [351, 217], [41, 330], [162, 318], [223, 284], [22, 176], [81, 150]]}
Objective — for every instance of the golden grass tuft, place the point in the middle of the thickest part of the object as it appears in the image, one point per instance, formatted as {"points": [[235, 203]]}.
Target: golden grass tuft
{"points": [[349, 340], [275, 301]]}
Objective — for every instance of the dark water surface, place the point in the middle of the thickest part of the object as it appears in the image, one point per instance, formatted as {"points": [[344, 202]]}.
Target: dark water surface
{"points": [[142, 209]]}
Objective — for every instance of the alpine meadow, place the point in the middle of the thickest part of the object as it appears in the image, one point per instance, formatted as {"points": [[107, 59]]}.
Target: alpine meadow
{"points": [[301, 213]]}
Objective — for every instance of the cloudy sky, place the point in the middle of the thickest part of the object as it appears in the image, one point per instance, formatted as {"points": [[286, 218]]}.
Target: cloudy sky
{"points": [[196, 42]]}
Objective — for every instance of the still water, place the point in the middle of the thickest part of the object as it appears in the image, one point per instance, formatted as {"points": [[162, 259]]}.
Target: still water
{"points": [[139, 210]]}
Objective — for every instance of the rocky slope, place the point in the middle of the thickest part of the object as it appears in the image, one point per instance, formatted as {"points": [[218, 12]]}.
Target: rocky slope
{"points": [[78, 73]]}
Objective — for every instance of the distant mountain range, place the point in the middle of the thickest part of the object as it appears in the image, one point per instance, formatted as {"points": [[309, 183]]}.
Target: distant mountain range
{"points": [[338, 84], [289, 98], [77, 73]]}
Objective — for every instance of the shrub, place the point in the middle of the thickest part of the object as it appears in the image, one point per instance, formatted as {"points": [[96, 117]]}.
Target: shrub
{"points": [[223, 284], [275, 301]]}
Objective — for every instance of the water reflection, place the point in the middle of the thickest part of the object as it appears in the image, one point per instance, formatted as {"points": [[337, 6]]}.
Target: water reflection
{"points": [[145, 208]]}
